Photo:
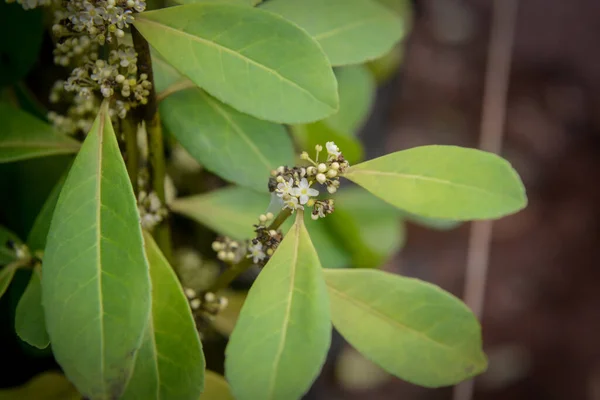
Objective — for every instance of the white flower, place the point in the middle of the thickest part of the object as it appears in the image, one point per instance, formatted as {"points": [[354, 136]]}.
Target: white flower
{"points": [[304, 191], [256, 252], [284, 188], [332, 149], [292, 204]]}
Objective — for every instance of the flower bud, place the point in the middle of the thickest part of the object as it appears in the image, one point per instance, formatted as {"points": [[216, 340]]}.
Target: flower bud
{"points": [[322, 167], [332, 173], [270, 215], [216, 246], [318, 147], [304, 155], [331, 189], [311, 171], [335, 165], [262, 218], [190, 293], [321, 178], [195, 304], [222, 255], [314, 216]]}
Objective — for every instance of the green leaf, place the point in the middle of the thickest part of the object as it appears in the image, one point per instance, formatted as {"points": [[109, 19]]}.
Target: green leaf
{"points": [[164, 73], [385, 67], [349, 31], [46, 386], [7, 273], [170, 363], [412, 329], [446, 182], [7, 253], [29, 315], [281, 338], [24, 136], [37, 236], [331, 251], [371, 230], [95, 283], [238, 2], [216, 388], [235, 146], [310, 135], [357, 93], [432, 223], [229, 211], [22, 32], [250, 59]]}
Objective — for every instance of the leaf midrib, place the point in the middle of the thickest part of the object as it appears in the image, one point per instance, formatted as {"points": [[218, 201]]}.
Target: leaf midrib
{"points": [[235, 54], [285, 324], [392, 322], [429, 179]]}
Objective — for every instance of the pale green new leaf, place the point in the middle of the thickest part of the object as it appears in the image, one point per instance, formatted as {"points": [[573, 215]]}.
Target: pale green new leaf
{"points": [[7, 253], [170, 363], [235, 146], [356, 87], [216, 388], [349, 31], [410, 328], [36, 240], [29, 315], [447, 182], [370, 229], [281, 338], [250, 59], [23, 136], [95, 281]]}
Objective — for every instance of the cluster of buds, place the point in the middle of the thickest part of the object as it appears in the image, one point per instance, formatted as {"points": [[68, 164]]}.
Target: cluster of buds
{"points": [[228, 250], [328, 172], [208, 305], [152, 212], [266, 241], [322, 208]]}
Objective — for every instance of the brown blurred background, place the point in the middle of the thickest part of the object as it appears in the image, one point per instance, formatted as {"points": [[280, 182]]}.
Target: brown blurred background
{"points": [[541, 321]]}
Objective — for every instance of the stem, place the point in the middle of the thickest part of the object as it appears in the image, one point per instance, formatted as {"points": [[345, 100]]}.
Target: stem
{"points": [[156, 150], [129, 128], [236, 270], [174, 88]]}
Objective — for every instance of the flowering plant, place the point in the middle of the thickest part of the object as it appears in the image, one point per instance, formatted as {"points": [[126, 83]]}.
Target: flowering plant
{"points": [[198, 111]]}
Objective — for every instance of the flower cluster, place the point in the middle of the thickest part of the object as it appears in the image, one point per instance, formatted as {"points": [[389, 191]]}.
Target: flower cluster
{"points": [[228, 250], [207, 305], [152, 212]]}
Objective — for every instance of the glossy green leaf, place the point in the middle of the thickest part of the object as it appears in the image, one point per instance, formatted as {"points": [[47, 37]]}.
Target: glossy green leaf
{"points": [[432, 223], [229, 211], [22, 32], [447, 182], [29, 315], [330, 249], [46, 386], [170, 363], [307, 136], [412, 329], [37, 236], [349, 31], [235, 146], [24, 136], [238, 2], [164, 73], [95, 281], [7, 273], [281, 338], [7, 253], [371, 230], [357, 93], [250, 59], [216, 388]]}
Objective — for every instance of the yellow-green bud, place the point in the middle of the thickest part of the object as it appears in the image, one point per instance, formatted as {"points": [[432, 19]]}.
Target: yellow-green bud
{"points": [[321, 178], [322, 167], [332, 173]]}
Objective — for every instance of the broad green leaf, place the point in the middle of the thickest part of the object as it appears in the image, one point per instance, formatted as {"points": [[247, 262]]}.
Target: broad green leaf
{"points": [[250, 59], [401, 7], [357, 93], [412, 329], [226, 319], [37, 236], [95, 282], [7, 273], [7, 254], [349, 31], [446, 182], [22, 32], [24, 136], [281, 338], [170, 363], [385, 67], [232, 211], [229, 211], [238, 2], [29, 316], [235, 146], [371, 230], [46, 386], [164, 73], [307, 136], [216, 388]]}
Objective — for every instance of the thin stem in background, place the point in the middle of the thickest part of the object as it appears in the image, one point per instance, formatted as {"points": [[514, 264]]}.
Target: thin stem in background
{"points": [[174, 88], [504, 15], [132, 159]]}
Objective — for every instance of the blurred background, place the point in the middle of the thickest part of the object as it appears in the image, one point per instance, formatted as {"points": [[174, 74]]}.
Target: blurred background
{"points": [[541, 316], [541, 319]]}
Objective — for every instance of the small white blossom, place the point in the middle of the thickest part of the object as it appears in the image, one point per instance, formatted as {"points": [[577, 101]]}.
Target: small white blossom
{"points": [[304, 191], [256, 252], [284, 188], [292, 204], [332, 149]]}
